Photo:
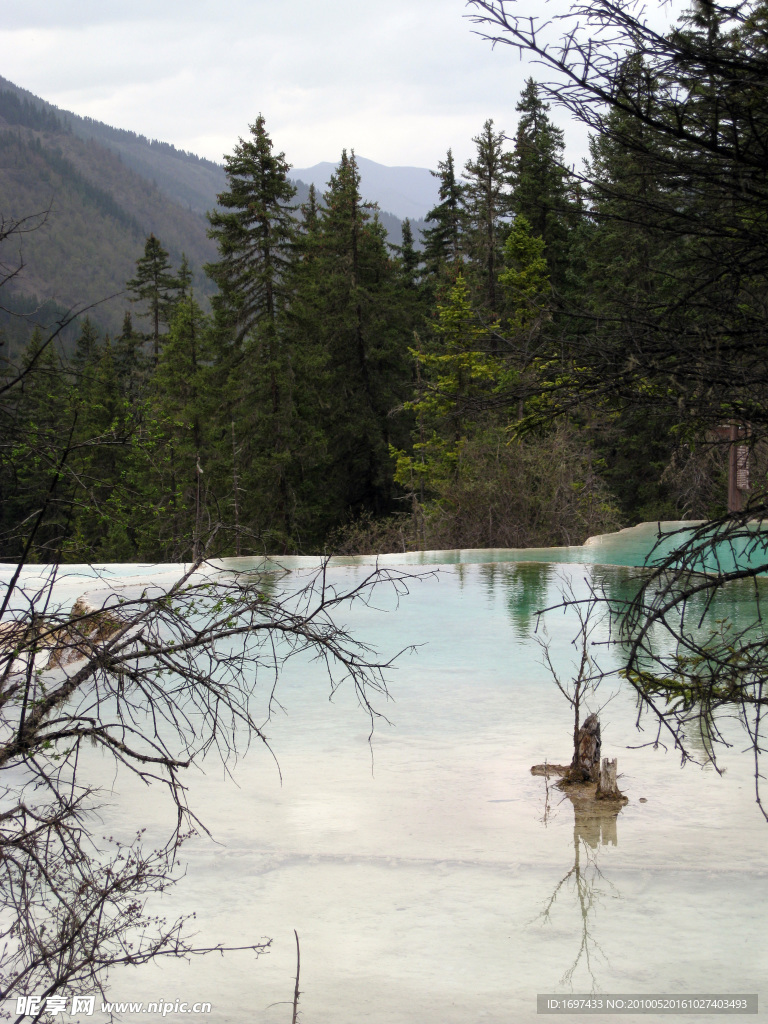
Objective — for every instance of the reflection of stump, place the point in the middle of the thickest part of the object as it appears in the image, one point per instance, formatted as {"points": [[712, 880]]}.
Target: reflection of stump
{"points": [[594, 819], [586, 758], [607, 787], [594, 824]]}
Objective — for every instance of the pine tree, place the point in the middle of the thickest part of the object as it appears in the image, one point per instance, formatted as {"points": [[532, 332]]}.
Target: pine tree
{"points": [[487, 209], [38, 434], [457, 375], [539, 188], [442, 243], [355, 262], [636, 277], [184, 279], [309, 213], [408, 257], [102, 427], [254, 230], [130, 361], [184, 403], [351, 327], [525, 284], [87, 350], [155, 285], [414, 291]]}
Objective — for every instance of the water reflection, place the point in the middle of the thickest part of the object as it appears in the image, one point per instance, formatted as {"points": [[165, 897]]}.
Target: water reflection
{"points": [[530, 587], [584, 887], [527, 589]]}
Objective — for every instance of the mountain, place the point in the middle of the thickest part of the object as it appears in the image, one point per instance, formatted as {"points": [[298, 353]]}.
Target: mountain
{"points": [[392, 224], [100, 191], [190, 181], [403, 191], [94, 209]]}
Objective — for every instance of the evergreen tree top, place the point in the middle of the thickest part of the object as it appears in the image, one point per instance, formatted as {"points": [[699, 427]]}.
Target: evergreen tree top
{"points": [[257, 178], [442, 242], [255, 232]]}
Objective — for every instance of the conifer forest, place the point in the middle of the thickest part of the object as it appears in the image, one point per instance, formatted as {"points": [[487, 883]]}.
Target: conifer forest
{"points": [[553, 358]]}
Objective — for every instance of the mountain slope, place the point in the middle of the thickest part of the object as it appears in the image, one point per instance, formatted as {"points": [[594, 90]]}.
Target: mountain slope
{"points": [[191, 181], [99, 213]]}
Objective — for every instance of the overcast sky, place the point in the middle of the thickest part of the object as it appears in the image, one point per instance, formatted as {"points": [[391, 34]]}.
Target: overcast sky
{"points": [[397, 80]]}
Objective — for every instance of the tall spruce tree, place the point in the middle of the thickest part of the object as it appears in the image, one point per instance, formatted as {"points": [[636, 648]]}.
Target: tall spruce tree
{"points": [[527, 303], [356, 262], [442, 243], [539, 188], [487, 209], [154, 285], [351, 325], [408, 256], [38, 435], [183, 404], [456, 375], [184, 279], [255, 231], [87, 349], [130, 361]]}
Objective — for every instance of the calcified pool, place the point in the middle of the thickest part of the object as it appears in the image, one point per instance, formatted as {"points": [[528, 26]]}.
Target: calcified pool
{"points": [[431, 878]]}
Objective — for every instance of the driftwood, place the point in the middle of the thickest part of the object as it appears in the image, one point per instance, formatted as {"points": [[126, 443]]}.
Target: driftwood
{"points": [[550, 769], [64, 644], [77, 639], [606, 787]]}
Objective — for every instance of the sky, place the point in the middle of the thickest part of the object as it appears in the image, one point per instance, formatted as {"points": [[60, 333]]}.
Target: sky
{"points": [[398, 81]]}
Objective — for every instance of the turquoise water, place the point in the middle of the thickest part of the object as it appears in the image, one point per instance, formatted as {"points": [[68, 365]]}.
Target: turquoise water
{"points": [[440, 882], [647, 543], [430, 876], [637, 546]]}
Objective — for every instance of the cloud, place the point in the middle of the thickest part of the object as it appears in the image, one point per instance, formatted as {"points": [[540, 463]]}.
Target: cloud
{"points": [[399, 81]]}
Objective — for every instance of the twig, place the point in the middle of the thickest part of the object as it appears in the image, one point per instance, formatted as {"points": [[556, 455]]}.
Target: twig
{"points": [[296, 989]]}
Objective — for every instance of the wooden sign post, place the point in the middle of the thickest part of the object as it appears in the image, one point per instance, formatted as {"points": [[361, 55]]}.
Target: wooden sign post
{"points": [[738, 463]]}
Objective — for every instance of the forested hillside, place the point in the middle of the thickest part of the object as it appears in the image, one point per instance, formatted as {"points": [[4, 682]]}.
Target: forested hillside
{"points": [[99, 212], [538, 372], [190, 181]]}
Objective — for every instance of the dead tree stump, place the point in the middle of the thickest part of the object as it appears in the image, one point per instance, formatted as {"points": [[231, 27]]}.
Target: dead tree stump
{"points": [[607, 787], [586, 758]]}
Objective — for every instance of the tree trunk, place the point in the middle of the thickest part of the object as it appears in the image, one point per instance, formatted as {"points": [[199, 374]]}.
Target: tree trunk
{"points": [[587, 757], [607, 787]]}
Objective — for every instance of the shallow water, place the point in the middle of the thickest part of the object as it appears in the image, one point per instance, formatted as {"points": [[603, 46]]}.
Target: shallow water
{"points": [[442, 882]]}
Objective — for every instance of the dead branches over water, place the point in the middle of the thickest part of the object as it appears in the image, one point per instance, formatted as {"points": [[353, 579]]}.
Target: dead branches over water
{"points": [[156, 677]]}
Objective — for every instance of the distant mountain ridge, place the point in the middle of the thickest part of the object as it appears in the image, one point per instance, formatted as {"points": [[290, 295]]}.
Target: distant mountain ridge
{"points": [[98, 212], [404, 191], [195, 182]]}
